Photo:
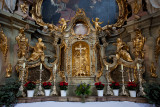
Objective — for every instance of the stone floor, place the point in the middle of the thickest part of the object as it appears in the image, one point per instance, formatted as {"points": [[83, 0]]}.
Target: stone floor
{"points": [[78, 99]]}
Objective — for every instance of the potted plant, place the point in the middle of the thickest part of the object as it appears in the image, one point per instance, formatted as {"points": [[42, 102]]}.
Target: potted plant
{"points": [[132, 89], [30, 86], [63, 87], [83, 90], [99, 87], [47, 88], [115, 86]]}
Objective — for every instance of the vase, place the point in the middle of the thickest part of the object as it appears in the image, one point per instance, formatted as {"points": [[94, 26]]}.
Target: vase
{"points": [[30, 93], [63, 93], [83, 98], [116, 92], [47, 92], [100, 93], [132, 93]]}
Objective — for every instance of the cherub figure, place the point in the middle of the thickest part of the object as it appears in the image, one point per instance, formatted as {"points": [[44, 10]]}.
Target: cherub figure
{"points": [[97, 24], [64, 24]]}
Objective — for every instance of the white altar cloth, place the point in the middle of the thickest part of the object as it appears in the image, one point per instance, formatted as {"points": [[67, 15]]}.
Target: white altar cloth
{"points": [[87, 104]]}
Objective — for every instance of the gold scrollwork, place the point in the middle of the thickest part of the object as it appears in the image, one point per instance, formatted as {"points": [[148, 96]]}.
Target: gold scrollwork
{"points": [[36, 14], [24, 7]]}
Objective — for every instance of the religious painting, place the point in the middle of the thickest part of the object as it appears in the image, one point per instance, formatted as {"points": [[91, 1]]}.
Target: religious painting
{"points": [[105, 10], [80, 59]]}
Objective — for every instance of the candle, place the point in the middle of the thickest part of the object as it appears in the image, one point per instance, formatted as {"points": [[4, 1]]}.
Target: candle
{"points": [[41, 66], [55, 67], [137, 65], [24, 65], [121, 66], [107, 67]]}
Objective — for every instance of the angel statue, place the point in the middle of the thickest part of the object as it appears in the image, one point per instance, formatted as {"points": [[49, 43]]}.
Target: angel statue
{"points": [[64, 24], [97, 24]]}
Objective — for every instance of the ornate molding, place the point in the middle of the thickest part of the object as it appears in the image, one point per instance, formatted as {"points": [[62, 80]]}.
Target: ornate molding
{"points": [[36, 15]]}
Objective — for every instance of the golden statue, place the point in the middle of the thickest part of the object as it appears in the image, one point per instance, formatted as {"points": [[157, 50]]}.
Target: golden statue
{"points": [[138, 44], [38, 51], [22, 42], [9, 71], [97, 24], [122, 49], [153, 70], [157, 47], [3, 43], [64, 24]]}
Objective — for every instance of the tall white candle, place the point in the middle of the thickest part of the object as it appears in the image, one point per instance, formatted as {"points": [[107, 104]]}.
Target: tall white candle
{"points": [[121, 66], [55, 67], [41, 66], [24, 65], [107, 67], [137, 65]]}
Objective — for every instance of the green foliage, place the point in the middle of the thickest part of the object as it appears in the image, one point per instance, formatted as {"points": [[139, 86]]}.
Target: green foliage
{"points": [[8, 93], [83, 89], [153, 93]]}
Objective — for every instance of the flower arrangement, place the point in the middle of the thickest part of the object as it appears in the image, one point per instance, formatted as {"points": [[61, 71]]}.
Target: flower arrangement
{"points": [[131, 86], [99, 86], [46, 85], [30, 85], [115, 85], [63, 85], [83, 89]]}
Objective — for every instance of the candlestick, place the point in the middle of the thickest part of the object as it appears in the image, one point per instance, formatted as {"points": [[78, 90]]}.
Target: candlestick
{"points": [[41, 66], [40, 88], [21, 92], [141, 89], [124, 91], [24, 65], [53, 90], [121, 66], [109, 91]]}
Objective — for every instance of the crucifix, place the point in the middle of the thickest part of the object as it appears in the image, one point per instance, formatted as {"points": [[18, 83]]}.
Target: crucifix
{"points": [[80, 57]]}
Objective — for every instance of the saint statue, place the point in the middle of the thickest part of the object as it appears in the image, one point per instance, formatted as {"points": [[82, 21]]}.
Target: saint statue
{"points": [[97, 24], [153, 70], [122, 50], [157, 47], [138, 43], [38, 51], [3, 44], [22, 42]]}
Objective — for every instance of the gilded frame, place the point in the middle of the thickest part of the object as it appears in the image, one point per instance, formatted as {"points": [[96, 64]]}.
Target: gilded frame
{"points": [[36, 14]]}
